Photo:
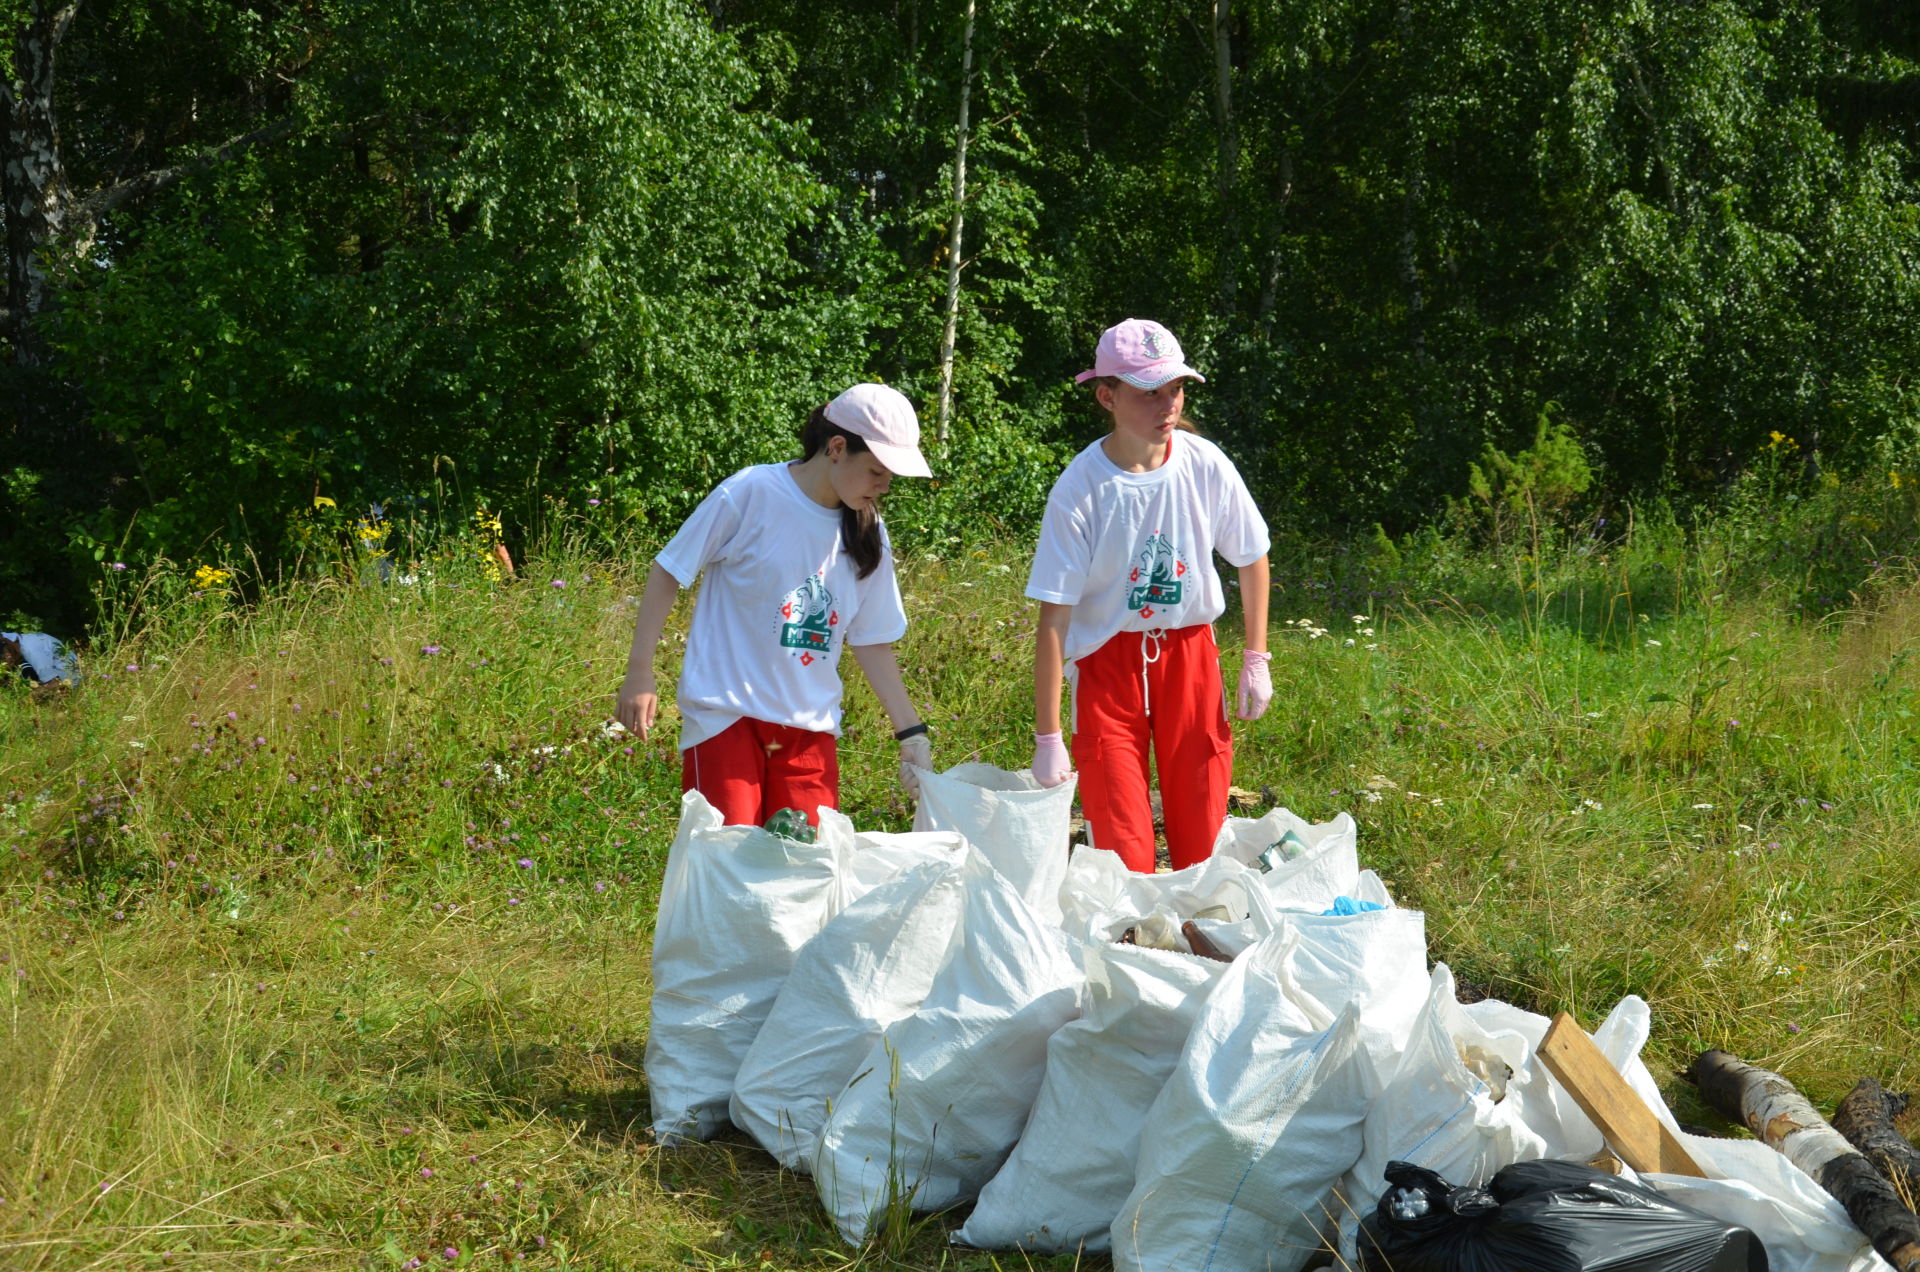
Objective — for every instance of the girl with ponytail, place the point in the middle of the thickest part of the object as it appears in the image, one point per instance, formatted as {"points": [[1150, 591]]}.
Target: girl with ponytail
{"points": [[798, 568]]}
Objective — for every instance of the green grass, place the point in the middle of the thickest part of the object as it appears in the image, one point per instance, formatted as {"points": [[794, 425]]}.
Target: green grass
{"points": [[278, 991]]}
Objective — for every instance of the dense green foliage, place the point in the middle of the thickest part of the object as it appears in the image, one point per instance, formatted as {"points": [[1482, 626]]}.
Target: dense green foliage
{"points": [[508, 254]]}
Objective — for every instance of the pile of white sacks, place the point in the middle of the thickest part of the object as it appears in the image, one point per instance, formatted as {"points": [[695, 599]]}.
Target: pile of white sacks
{"points": [[929, 1019]]}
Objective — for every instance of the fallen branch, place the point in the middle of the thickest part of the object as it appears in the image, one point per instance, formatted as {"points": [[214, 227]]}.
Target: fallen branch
{"points": [[1865, 1117], [1777, 1113]]}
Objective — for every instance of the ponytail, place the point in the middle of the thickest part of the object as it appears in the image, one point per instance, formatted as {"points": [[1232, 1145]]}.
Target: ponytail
{"points": [[859, 528]]}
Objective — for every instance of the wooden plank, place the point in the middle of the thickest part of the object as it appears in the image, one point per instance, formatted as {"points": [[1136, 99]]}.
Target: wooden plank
{"points": [[1639, 1138]]}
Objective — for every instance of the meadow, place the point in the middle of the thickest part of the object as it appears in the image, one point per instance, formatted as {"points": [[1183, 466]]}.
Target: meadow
{"points": [[325, 916]]}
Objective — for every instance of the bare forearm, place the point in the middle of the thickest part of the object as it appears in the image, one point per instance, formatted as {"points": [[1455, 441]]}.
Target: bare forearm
{"points": [[656, 606], [1049, 665], [882, 670], [1255, 591]]}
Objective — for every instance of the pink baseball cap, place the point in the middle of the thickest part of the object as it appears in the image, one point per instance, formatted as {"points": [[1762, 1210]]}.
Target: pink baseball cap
{"points": [[1141, 352], [884, 419]]}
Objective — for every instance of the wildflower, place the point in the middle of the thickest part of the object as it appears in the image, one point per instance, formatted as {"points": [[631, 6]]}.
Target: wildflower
{"points": [[1372, 797], [525, 863], [449, 1254], [386, 662], [1733, 724], [1793, 1027], [513, 900], [233, 715], [1703, 808], [207, 578], [1594, 804], [593, 503], [133, 666], [1359, 618], [1825, 807], [426, 1172], [1349, 642], [118, 566], [599, 885], [1711, 960], [558, 583], [429, 650], [1654, 644]]}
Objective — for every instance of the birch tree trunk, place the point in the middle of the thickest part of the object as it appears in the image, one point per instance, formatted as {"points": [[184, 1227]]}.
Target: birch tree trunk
{"points": [[956, 235], [1229, 143], [32, 180], [1770, 1106]]}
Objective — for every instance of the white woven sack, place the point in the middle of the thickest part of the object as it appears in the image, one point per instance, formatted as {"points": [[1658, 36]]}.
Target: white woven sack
{"points": [[1074, 1165], [1100, 898], [879, 856], [870, 966], [939, 1101], [1241, 1151], [1376, 960], [1445, 1105], [1328, 867], [736, 905], [1019, 825]]}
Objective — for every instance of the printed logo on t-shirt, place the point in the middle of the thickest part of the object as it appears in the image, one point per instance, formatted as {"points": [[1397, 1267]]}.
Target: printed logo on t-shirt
{"points": [[811, 619], [1155, 580]]}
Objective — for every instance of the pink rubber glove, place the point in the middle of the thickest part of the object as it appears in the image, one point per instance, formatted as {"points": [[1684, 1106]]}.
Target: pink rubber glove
{"points": [[1050, 763], [1256, 684]]}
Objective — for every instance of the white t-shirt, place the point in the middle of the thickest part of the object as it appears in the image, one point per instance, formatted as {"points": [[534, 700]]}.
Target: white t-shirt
{"points": [[45, 656], [1134, 551], [780, 601]]}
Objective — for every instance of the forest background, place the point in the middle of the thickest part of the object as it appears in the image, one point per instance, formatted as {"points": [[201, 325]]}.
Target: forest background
{"points": [[273, 266]]}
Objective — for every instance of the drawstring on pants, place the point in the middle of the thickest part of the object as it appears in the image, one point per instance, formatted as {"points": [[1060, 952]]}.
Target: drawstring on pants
{"points": [[1157, 637]]}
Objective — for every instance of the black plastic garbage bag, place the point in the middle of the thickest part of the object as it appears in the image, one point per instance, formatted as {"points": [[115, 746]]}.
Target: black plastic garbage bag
{"points": [[1545, 1216]]}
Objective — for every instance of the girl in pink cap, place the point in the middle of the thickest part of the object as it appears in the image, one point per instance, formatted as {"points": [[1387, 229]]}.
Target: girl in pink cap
{"points": [[798, 567], [1128, 593]]}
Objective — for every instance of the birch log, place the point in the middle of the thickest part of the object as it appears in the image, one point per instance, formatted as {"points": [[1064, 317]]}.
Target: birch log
{"points": [[1865, 1116], [1777, 1113]]}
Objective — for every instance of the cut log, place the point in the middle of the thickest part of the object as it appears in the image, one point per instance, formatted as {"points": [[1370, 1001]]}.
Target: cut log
{"points": [[1865, 1117], [1631, 1129], [1777, 1113]]}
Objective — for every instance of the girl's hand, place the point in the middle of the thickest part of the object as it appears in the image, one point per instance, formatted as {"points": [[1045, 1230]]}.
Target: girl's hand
{"points": [[1051, 765], [637, 704], [1256, 684], [915, 753]]}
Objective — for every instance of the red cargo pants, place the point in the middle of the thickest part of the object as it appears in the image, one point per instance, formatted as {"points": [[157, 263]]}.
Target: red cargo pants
{"points": [[1158, 689], [751, 769]]}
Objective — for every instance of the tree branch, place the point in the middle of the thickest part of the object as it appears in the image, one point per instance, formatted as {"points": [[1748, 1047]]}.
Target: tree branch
{"points": [[102, 201]]}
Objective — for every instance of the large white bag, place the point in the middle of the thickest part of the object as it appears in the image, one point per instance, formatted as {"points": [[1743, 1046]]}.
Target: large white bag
{"points": [[1100, 898], [1446, 1104], [1327, 867], [1261, 1116], [1074, 1164], [736, 905], [1376, 960], [1019, 825], [939, 1101], [880, 857], [870, 966]]}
